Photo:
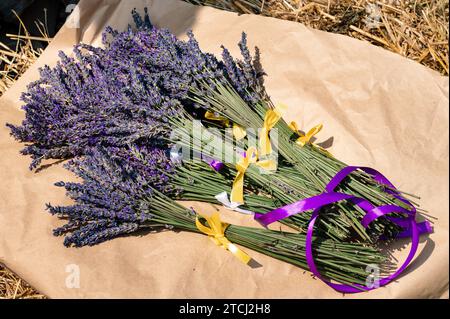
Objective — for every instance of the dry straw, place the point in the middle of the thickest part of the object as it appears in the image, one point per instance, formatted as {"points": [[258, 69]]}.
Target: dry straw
{"points": [[416, 29], [13, 64], [12, 287]]}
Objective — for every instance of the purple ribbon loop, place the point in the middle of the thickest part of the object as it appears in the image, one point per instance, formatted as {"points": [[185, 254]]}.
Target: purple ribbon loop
{"points": [[410, 227]]}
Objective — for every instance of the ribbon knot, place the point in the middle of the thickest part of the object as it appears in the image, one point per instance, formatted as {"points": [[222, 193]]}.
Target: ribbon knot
{"points": [[411, 228], [216, 231], [304, 139], [217, 239], [238, 132], [250, 157], [223, 199], [270, 120]]}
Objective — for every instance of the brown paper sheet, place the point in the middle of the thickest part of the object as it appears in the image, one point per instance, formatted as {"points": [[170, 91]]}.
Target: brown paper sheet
{"points": [[382, 111]]}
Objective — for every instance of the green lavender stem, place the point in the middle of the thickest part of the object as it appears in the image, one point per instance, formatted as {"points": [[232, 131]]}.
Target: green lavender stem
{"points": [[316, 168], [342, 262]]}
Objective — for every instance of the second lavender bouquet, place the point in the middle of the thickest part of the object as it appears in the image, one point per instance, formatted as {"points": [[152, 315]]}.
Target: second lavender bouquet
{"points": [[120, 195]]}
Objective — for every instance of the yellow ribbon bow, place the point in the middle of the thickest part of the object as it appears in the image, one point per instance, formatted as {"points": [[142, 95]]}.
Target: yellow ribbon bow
{"points": [[270, 120], [251, 157], [238, 131], [216, 231], [306, 138]]}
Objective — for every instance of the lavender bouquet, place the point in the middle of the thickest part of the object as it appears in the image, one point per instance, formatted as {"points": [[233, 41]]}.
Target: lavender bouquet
{"points": [[126, 193], [114, 109], [139, 88]]}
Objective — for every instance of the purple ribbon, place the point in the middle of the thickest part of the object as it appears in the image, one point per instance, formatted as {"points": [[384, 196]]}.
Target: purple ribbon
{"points": [[216, 165], [410, 227]]}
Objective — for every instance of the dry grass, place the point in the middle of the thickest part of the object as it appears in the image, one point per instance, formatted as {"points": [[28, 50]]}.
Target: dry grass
{"points": [[416, 29], [14, 63], [12, 287]]}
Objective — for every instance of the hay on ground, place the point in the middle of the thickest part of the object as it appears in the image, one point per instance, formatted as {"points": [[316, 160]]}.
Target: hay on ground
{"points": [[13, 63], [12, 287], [416, 29]]}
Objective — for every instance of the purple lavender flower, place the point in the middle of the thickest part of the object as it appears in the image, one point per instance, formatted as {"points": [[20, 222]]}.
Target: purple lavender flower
{"points": [[122, 94], [115, 195]]}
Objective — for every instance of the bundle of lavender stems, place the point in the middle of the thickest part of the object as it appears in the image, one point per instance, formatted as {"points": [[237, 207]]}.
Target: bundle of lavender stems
{"points": [[113, 111], [124, 191]]}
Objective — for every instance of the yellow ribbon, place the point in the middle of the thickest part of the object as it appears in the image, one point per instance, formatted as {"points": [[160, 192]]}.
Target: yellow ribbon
{"points": [[238, 131], [271, 118], [251, 157], [306, 138], [216, 231], [211, 116]]}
